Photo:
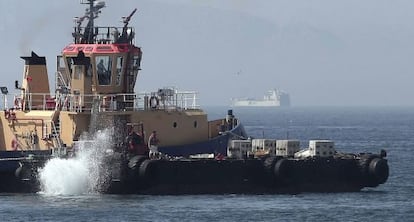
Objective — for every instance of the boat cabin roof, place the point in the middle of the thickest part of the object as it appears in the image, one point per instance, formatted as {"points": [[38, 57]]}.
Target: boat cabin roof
{"points": [[99, 48]]}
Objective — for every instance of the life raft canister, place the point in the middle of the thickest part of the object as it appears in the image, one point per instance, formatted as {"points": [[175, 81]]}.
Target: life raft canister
{"points": [[154, 102]]}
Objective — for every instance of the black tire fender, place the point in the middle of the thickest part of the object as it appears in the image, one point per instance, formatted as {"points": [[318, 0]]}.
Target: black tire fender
{"points": [[269, 164], [378, 168], [282, 168], [18, 171], [135, 162], [24, 172], [148, 170]]}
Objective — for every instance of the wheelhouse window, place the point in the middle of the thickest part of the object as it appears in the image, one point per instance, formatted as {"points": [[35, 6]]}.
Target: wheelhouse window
{"points": [[77, 72], [136, 62], [61, 62], [103, 69], [89, 71], [70, 64], [135, 65], [119, 61]]}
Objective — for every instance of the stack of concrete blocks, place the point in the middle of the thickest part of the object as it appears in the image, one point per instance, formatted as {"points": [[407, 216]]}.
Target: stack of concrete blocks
{"points": [[264, 146], [317, 148], [238, 149], [322, 148], [287, 148]]}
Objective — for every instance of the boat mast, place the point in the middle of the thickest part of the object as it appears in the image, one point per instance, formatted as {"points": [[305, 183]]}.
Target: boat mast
{"points": [[91, 13], [89, 28]]}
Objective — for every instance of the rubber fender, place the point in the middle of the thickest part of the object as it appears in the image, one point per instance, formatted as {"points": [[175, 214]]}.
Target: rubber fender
{"points": [[282, 168], [135, 161], [18, 171], [378, 168], [148, 170], [23, 172], [269, 163]]}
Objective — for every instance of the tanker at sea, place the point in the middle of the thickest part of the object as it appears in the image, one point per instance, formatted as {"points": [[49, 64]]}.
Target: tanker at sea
{"points": [[273, 98]]}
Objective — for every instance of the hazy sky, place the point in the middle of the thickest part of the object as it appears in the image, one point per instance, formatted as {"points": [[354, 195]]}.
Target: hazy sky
{"points": [[323, 52]]}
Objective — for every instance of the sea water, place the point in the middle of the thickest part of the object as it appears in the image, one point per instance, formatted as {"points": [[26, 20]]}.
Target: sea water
{"points": [[353, 130], [78, 175]]}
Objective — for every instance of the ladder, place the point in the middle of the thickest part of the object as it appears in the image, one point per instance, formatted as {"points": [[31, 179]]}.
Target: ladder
{"points": [[58, 148]]}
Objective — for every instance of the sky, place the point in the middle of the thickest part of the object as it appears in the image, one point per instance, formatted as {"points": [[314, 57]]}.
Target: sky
{"points": [[322, 52]]}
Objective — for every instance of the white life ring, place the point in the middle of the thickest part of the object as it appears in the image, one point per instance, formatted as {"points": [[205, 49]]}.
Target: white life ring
{"points": [[154, 102], [18, 103]]}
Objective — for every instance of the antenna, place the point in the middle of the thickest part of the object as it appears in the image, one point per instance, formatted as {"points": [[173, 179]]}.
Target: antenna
{"points": [[287, 128], [127, 34], [91, 14]]}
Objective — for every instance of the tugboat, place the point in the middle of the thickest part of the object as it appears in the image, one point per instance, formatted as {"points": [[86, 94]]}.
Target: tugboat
{"points": [[164, 143], [95, 80]]}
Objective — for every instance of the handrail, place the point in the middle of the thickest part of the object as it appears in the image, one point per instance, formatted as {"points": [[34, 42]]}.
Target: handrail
{"points": [[107, 34], [173, 100], [43, 133], [55, 133]]}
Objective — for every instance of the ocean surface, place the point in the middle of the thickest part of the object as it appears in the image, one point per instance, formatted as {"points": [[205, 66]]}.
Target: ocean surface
{"points": [[353, 129]]}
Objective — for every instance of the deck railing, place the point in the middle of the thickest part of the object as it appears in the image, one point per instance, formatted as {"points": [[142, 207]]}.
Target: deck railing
{"points": [[161, 100]]}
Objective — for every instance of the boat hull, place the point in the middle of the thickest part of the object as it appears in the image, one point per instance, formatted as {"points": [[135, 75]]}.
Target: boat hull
{"points": [[18, 170], [216, 145], [251, 176], [15, 179], [271, 175]]}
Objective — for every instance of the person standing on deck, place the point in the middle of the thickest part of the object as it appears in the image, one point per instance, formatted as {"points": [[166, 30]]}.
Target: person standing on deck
{"points": [[153, 145]]}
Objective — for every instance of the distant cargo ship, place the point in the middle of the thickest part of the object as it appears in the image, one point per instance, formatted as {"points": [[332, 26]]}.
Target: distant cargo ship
{"points": [[274, 97]]}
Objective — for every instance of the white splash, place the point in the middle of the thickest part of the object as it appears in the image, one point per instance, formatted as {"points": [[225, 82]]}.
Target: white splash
{"points": [[80, 174]]}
